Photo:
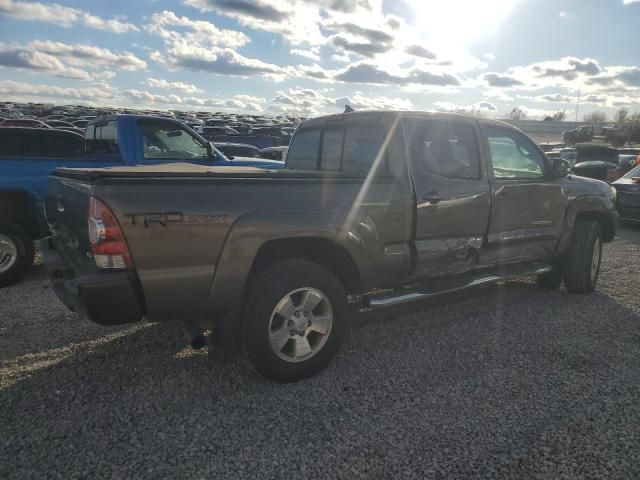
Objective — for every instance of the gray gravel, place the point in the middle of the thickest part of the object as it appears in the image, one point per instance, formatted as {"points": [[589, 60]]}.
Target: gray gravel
{"points": [[507, 381]]}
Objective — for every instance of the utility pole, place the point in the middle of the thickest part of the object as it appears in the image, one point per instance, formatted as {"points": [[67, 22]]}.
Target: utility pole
{"points": [[577, 107]]}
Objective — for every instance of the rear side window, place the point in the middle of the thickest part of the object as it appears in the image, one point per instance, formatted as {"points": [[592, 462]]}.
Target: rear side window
{"points": [[102, 137], [13, 145], [331, 157], [60, 146], [303, 151], [446, 149], [353, 149], [361, 147]]}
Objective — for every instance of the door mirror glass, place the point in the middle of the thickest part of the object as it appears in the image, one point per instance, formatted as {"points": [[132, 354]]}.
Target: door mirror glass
{"points": [[561, 168]]}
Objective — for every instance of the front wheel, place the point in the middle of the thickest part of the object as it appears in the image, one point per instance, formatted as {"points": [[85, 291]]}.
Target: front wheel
{"points": [[582, 266], [16, 254], [295, 320]]}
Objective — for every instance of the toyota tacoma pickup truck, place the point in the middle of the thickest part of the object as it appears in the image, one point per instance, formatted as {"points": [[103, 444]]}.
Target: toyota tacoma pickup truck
{"points": [[27, 156], [372, 209]]}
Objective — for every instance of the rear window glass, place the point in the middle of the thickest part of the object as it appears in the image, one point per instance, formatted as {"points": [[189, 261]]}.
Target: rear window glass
{"points": [[58, 145], [102, 137], [331, 157], [303, 151], [353, 149], [13, 145]]}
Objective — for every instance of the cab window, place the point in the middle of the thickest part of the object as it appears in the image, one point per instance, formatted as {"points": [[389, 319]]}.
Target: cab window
{"points": [[445, 148], [513, 156]]}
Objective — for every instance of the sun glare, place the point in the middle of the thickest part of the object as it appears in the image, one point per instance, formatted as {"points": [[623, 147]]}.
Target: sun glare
{"points": [[459, 22]]}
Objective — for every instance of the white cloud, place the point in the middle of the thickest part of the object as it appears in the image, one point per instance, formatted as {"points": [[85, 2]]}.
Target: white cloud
{"points": [[179, 86], [77, 61], [63, 16], [204, 47], [629, 2], [310, 54], [14, 89], [244, 103], [305, 101], [198, 32], [89, 55]]}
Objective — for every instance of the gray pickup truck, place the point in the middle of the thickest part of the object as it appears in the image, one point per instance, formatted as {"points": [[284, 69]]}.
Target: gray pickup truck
{"points": [[373, 209]]}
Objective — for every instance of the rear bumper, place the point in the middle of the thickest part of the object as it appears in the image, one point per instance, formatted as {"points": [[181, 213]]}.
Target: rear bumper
{"points": [[106, 298]]}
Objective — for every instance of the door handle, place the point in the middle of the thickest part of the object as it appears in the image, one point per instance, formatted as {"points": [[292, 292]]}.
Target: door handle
{"points": [[432, 197]]}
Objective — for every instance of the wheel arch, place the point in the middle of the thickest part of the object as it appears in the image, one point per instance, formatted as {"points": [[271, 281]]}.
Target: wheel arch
{"points": [[21, 207]]}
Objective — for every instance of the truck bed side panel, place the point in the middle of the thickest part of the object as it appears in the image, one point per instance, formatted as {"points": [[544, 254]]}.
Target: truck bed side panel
{"points": [[176, 230]]}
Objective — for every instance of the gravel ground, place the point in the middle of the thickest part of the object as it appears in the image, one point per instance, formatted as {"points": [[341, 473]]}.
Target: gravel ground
{"points": [[507, 381]]}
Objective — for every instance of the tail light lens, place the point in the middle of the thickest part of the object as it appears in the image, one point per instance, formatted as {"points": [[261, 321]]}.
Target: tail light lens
{"points": [[108, 245]]}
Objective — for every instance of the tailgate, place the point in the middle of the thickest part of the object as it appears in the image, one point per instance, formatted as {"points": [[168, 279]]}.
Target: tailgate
{"points": [[66, 206]]}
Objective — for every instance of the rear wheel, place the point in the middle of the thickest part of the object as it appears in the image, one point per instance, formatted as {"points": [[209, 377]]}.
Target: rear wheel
{"points": [[583, 261], [295, 320], [16, 254]]}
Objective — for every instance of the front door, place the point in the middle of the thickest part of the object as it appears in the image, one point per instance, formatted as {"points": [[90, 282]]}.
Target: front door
{"points": [[528, 208], [453, 195]]}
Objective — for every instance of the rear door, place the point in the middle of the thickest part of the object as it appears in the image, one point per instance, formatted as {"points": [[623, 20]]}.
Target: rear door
{"points": [[452, 194], [528, 208]]}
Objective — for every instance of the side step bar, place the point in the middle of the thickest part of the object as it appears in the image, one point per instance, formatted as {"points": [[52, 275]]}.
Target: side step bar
{"points": [[422, 293]]}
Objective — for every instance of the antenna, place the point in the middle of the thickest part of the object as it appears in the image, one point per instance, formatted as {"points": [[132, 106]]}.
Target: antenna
{"points": [[577, 107]]}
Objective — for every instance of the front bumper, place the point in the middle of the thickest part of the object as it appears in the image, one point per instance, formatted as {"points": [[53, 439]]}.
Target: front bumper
{"points": [[106, 298]]}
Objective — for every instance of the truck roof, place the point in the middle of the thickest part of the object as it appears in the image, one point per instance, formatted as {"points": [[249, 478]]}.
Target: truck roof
{"points": [[117, 116], [377, 115]]}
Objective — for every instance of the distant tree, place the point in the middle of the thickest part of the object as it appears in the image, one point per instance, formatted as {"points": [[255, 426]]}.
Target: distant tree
{"points": [[635, 117], [517, 114], [559, 116], [595, 117], [621, 116]]}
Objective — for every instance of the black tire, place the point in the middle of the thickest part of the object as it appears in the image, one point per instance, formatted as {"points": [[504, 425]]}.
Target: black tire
{"points": [[25, 253], [578, 274], [551, 280], [266, 290]]}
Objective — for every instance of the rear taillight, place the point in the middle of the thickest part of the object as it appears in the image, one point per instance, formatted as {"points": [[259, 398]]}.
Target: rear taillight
{"points": [[107, 241]]}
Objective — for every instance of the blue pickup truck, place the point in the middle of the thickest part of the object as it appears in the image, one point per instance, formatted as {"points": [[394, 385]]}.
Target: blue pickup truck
{"points": [[27, 156]]}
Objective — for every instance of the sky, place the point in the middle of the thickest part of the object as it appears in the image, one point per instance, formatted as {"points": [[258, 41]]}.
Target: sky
{"points": [[309, 57]]}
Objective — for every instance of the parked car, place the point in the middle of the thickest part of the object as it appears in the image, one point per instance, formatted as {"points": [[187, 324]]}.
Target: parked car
{"points": [[210, 133], [232, 150], [373, 209], [628, 198], [24, 122], [274, 153], [595, 161], [578, 135], [27, 156], [81, 124]]}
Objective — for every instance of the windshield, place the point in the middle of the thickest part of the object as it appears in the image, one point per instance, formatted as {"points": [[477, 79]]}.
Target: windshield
{"points": [[633, 173], [164, 140]]}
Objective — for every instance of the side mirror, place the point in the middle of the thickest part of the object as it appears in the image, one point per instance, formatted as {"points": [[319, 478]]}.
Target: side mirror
{"points": [[561, 168], [209, 150]]}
